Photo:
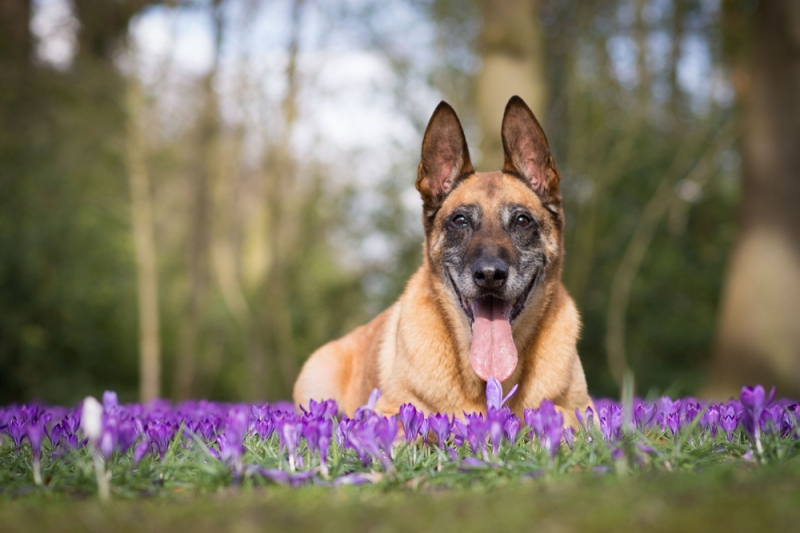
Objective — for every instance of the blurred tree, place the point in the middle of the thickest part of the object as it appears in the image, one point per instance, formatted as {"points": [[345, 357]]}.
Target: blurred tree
{"points": [[144, 240], [283, 229], [202, 173], [104, 25], [102, 31], [759, 325], [642, 182], [15, 33], [512, 62]]}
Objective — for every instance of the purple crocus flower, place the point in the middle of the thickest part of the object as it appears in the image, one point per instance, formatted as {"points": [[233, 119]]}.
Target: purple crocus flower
{"points": [[569, 436], [328, 408], [790, 420], [286, 478], [753, 401], [477, 428], [728, 421], [159, 434], [494, 394], [35, 432], [289, 431], [231, 442], [126, 435], [771, 418], [110, 400], [535, 419], [643, 414], [673, 422], [16, 430], [589, 418], [710, 419], [324, 427], [346, 435], [362, 438], [55, 436], [605, 423], [666, 407], [511, 428], [311, 433], [264, 428], [610, 420], [424, 429], [108, 437], [260, 412], [206, 428], [364, 411], [412, 420], [385, 433], [616, 420], [579, 418], [63, 435], [460, 433], [496, 419], [440, 425], [552, 435]]}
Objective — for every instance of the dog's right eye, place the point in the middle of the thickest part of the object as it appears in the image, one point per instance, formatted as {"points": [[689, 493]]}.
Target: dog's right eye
{"points": [[460, 221]]}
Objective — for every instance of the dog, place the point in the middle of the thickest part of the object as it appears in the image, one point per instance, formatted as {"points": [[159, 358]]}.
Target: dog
{"points": [[488, 299]]}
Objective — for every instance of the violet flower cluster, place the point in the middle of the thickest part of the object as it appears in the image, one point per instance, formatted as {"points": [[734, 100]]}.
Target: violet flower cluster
{"points": [[319, 444]]}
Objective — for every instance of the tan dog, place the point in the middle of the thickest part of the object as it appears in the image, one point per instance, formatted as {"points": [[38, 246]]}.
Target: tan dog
{"points": [[487, 300]]}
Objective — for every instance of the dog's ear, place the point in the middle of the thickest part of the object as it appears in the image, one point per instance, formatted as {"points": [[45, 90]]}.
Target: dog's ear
{"points": [[445, 157], [526, 151]]}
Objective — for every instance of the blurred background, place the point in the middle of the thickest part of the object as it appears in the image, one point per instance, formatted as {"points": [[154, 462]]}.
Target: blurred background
{"points": [[196, 194]]}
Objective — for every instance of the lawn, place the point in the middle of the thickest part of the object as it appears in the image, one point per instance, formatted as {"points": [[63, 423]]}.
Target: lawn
{"points": [[721, 498]]}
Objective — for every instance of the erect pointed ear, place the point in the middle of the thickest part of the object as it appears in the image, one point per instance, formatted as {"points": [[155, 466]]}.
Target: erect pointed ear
{"points": [[445, 157], [526, 151]]}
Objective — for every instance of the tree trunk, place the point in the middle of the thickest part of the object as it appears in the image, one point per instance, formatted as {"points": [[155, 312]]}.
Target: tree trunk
{"points": [[104, 25], [147, 277], [759, 322], [202, 175], [272, 346], [511, 50], [15, 34]]}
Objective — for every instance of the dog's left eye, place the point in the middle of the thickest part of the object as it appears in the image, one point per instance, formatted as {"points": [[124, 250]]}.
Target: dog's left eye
{"points": [[460, 221], [523, 221]]}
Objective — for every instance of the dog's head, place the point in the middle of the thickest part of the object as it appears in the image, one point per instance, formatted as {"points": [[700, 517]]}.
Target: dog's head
{"points": [[495, 238]]}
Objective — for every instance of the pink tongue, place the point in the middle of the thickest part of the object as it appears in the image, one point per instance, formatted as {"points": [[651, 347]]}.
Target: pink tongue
{"points": [[493, 353]]}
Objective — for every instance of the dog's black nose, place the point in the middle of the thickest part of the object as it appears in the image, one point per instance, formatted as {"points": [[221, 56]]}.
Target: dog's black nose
{"points": [[490, 273]]}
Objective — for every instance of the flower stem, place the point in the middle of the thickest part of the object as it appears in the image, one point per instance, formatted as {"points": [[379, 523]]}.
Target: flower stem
{"points": [[37, 472], [759, 448], [103, 485]]}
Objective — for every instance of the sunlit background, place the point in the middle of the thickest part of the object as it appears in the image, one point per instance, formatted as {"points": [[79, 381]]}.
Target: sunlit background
{"points": [[197, 194]]}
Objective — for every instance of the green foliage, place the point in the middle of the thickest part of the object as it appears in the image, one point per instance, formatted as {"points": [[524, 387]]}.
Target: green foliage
{"points": [[616, 144], [67, 300]]}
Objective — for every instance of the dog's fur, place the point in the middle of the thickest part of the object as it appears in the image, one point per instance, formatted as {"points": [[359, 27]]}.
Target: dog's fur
{"points": [[418, 350]]}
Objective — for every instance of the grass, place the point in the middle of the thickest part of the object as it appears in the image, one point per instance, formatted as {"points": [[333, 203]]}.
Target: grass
{"points": [[690, 488], [719, 498]]}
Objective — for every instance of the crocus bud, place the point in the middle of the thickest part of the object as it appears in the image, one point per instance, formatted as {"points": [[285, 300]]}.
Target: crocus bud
{"points": [[110, 400], [92, 419]]}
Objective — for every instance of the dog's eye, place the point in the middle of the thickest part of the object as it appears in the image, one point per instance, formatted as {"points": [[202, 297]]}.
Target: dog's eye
{"points": [[460, 221], [523, 221]]}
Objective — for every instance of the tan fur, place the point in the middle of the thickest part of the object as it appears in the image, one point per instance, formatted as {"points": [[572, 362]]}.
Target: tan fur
{"points": [[417, 351]]}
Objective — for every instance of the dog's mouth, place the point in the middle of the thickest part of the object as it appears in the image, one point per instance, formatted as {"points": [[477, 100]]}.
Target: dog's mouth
{"points": [[493, 353]]}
